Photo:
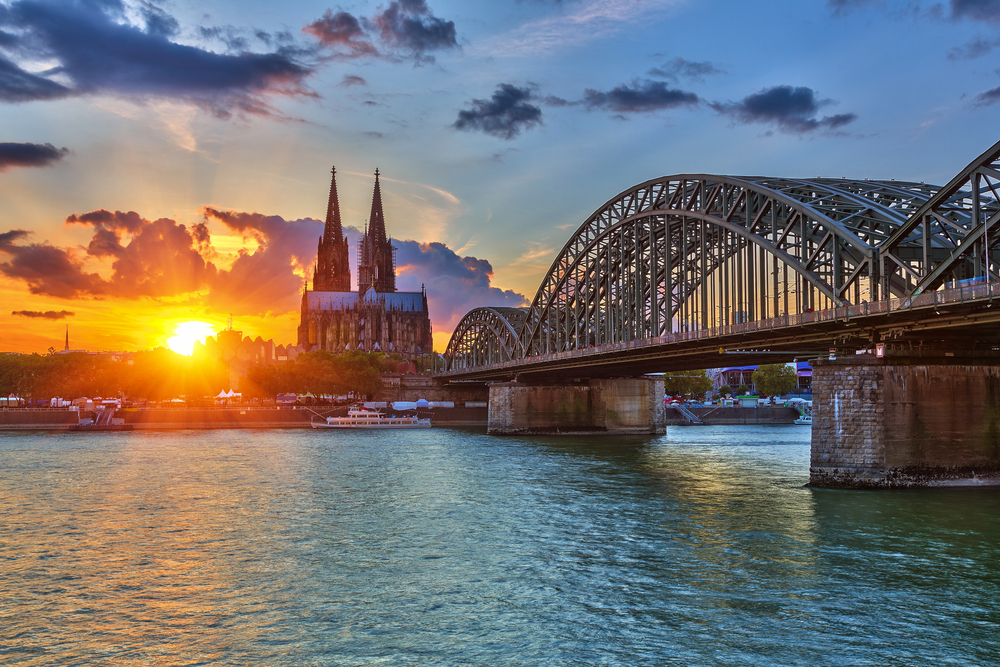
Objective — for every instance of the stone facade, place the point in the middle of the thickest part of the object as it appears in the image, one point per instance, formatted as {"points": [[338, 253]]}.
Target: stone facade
{"points": [[601, 406], [881, 423], [395, 322], [376, 316]]}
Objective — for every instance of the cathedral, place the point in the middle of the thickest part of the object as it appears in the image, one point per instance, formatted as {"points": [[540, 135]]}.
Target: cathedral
{"points": [[376, 316]]}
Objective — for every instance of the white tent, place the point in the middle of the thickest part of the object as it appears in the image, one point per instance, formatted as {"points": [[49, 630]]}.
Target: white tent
{"points": [[222, 394]]}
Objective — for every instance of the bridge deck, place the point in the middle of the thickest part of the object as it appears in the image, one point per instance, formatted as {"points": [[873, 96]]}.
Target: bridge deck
{"points": [[960, 322]]}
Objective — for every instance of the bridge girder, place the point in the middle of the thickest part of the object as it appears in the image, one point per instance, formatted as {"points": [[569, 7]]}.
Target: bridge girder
{"points": [[698, 251], [963, 218], [486, 336]]}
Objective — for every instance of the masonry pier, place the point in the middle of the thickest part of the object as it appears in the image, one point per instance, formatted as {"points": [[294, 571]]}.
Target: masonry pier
{"points": [[618, 406], [905, 422]]}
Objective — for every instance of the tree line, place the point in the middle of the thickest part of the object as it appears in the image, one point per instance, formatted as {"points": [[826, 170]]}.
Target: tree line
{"points": [[162, 374], [769, 379], [354, 372]]}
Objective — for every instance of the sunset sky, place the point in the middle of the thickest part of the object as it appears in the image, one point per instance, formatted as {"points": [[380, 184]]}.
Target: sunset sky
{"points": [[166, 162]]}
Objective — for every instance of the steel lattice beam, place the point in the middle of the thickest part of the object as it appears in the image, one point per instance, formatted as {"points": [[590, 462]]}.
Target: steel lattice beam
{"points": [[695, 252]]}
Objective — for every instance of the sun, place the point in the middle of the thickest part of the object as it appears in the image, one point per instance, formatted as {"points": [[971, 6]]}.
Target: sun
{"points": [[185, 335]]}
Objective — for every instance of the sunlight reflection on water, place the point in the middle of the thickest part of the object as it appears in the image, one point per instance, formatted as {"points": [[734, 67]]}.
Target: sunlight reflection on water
{"points": [[450, 547]]}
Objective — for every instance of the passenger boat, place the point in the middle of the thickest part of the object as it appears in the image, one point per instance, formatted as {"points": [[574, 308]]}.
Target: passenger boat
{"points": [[804, 419], [365, 418]]}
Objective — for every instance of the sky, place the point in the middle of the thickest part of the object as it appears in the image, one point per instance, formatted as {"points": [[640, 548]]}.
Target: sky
{"points": [[166, 162]]}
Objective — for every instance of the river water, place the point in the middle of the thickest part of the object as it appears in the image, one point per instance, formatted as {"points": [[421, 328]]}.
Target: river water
{"points": [[449, 547]]}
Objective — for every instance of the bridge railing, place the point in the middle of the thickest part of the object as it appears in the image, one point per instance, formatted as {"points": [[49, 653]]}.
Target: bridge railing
{"points": [[960, 294]]}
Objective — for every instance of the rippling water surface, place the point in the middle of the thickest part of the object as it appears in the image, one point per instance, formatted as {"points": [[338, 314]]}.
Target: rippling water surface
{"points": [[448, 547]]}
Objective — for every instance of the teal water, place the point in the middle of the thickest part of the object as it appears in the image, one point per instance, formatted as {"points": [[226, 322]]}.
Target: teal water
{"points": [[449, 547]]}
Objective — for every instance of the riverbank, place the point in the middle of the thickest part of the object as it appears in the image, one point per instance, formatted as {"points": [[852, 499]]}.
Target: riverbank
{"points": [[219, 418], [300, 416]]}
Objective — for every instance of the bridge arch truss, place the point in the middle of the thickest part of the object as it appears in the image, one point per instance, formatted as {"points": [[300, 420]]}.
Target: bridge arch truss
{"points": [[697, 251]]}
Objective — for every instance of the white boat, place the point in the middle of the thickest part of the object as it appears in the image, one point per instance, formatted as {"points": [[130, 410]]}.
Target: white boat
{"points": [[365, 418], [804, 419]]}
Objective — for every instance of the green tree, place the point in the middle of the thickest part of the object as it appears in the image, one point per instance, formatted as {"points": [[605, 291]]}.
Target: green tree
{"points": [[687, 383], [269, 381], [318, 373], [725, 390], [775, 379]]}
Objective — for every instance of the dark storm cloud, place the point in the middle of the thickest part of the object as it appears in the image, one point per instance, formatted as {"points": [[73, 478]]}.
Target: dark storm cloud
{"points": [[162, 258], [17, 85], [231, 36], [989, 98], [342, 31], [681, 68], [97, 53], [409, 25], [791, 109], [296, 239], [455, 285], [404, 28], [264, 280], [158, 22], [640, 97], [504, 115], [130, 222], [47, 269], [7, 239], [976, 10], [29, 155], [48, 314]]}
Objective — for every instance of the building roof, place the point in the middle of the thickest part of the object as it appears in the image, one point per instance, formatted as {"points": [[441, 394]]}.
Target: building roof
{"points": [[405, 301]]}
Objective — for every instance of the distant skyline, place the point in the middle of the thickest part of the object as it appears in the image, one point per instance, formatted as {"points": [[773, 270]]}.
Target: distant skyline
{"points": [[169, 162]]}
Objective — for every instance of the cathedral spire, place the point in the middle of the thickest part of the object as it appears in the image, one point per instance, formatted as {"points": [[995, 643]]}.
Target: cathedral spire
{"points": [[376, 221], [333, 232], [332, 272], [376, 256]]}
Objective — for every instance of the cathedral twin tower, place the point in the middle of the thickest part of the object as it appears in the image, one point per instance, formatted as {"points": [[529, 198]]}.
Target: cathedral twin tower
{"points": [[376, 256], [376, 316]]}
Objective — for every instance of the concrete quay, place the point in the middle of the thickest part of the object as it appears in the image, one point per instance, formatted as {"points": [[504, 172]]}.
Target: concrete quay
{"points": [[735, 416]]}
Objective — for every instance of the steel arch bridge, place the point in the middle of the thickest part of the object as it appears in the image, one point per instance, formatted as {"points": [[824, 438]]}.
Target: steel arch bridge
{"points": [[675, 257]]}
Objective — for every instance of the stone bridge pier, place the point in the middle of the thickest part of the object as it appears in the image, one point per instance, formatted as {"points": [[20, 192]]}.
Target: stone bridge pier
{"points": [[905, 422], [617, 406]]}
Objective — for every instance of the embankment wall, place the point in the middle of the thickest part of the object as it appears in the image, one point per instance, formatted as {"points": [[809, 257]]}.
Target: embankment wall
{"points": [[729, 416], [897, 423]]}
